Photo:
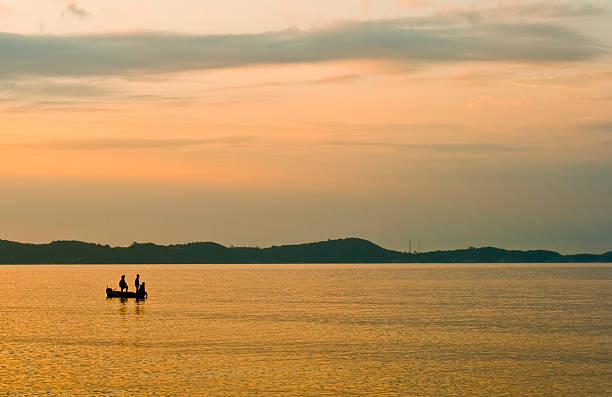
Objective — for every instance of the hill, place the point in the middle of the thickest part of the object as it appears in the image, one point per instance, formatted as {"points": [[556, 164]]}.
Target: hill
{"points": [[349, 250]]}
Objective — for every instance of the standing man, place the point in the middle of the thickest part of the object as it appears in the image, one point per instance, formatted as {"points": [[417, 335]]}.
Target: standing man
{"points": [[137, 282]]}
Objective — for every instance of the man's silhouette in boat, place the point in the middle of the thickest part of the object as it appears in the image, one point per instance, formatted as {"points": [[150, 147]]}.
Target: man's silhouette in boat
{"points": [[142, 292], [122, 284], [137, 282]]}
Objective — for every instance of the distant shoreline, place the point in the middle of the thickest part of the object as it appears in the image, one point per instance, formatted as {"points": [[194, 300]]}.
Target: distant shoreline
{"points": [[349, 250]]}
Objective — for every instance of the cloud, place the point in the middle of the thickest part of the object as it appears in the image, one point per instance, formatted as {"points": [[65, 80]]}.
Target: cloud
{"points": [[399, 40], [344, 79], [136, 143], [73, 9], [563, 9], [472, 147], [563, 80], [340, 79], [27, 90], [599, 126], [31, 94], [542, 9], [600, 99]]}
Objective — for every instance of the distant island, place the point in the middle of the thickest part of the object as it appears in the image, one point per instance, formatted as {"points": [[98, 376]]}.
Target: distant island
{"points": [[349, 250]]}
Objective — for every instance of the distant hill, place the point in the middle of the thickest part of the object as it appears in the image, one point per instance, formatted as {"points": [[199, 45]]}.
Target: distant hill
{"points": [[349, 250]]}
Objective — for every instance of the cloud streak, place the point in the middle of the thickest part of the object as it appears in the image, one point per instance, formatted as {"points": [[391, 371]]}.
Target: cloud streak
{"points": [[540, 10], [386, 40], [137, 143], [599, 126], [471, 147], [31, 89], [73, 9]]}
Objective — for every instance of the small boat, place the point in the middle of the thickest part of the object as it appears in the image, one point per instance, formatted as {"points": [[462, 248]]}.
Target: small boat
{"points": [[113, 293]]}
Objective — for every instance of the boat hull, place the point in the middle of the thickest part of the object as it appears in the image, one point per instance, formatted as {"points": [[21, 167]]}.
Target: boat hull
{"points": [[111, 293]]}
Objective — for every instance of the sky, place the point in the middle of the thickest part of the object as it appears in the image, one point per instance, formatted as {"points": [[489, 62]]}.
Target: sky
{"points": [[266, 122]]}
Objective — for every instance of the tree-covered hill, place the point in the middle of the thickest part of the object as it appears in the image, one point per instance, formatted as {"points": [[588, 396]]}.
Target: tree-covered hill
{"points": [[350, 250]]}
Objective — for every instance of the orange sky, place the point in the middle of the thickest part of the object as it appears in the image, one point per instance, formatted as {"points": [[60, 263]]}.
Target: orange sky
{"points": [[455, 123]]}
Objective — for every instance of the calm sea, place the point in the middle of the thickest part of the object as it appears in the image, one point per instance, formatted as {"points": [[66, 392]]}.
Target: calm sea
{"points": [[308, 330]]}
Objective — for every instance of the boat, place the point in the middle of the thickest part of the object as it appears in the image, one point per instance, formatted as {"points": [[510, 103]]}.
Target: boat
{"points": [[113, 293]]}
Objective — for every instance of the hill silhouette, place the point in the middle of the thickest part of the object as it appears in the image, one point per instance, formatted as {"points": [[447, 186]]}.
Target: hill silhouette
{"points": [[349, 250]]}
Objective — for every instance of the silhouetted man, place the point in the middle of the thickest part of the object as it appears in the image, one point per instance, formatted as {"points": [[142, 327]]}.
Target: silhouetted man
{"points": [[122, 284], [142, 292], [137, 282]]}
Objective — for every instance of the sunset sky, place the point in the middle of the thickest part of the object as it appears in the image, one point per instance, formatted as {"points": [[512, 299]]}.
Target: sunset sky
{"points": [[266, 122]]}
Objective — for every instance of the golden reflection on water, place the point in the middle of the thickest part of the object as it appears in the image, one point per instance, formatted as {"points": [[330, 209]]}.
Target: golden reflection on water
{"points": [[297, 330], [139, 308]]}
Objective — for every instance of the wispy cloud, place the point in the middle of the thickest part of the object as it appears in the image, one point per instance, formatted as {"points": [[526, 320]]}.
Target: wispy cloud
{"points": [[543, 9], [51, 94], [598, 126], [563, 80], [31, 89], [470, 147], [75, 10], [340, 79], [137, 143], [600, 99], [388, 40]]}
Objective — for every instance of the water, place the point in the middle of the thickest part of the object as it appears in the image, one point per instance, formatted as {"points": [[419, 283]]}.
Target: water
{"points": [[308, 330]]}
